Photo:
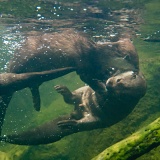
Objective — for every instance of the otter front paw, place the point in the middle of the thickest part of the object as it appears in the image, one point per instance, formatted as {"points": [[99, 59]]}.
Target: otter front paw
{"points": [[67, 123], [62, 90]]}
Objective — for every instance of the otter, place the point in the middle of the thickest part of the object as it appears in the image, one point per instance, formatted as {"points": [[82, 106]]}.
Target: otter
{"points": [[92, 110], [70, 48], [107, 106], [95, 63]]}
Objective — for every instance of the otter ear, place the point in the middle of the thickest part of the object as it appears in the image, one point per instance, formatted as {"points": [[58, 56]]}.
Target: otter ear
{"points": [[127, 57], [36, 97]]}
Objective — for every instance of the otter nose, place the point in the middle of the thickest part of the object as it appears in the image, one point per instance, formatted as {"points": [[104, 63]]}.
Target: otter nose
{"points": [[109, 84]]}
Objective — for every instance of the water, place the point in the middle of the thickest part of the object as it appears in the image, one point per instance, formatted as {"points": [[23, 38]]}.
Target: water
{"points": [[103, 21]]}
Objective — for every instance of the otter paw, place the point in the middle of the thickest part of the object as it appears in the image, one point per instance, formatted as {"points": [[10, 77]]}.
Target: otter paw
{"points": [[62, 89], [67, 123]]}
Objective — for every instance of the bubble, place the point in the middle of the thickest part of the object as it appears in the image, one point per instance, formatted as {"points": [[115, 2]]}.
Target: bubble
{"points": [[38, 7], [112, 35], [38, 15], [5, 42]]}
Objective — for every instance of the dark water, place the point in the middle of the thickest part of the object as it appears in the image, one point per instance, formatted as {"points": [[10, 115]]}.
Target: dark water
{"points": [[102, 20]]}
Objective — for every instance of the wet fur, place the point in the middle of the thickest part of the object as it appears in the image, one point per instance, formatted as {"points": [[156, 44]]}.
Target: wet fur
{"points": [[95, 63], [70, 48], [92, 110]]}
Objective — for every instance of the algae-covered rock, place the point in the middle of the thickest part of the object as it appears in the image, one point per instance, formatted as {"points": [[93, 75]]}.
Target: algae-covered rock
{"points": [[137, 144], [4, 156]]}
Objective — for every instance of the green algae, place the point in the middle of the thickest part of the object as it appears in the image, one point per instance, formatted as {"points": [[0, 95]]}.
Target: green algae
{"points": [[4, 156], [135, 145]]}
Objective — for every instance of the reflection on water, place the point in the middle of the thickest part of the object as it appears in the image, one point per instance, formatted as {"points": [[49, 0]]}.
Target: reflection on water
{"points": [[102, 20]]}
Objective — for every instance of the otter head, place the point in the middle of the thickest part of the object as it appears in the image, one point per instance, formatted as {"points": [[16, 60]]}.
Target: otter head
{"points": [[127, 85]]}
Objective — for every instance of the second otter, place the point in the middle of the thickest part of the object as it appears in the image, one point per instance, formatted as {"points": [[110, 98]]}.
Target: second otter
{"points": [[106, 107]]}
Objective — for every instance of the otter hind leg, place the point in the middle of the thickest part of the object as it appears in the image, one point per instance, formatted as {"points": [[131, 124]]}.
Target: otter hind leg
{"points": [[72, 123], [81, 124]]}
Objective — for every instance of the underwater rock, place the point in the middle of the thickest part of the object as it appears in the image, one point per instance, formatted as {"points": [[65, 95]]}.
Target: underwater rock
{"points": [[4, 156], [134, 146], [92, 110]]}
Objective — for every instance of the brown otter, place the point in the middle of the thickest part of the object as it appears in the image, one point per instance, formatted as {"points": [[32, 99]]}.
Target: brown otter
{"points": [[92, 109], [95, 62], [70, 48], [106, 107]]}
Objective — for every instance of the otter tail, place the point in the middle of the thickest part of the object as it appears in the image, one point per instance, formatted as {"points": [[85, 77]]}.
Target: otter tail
{"points": [[47, 133]]}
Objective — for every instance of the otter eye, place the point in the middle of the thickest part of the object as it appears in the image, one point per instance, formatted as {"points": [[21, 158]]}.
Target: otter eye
{"points": [[134, 76], [118, 80]]}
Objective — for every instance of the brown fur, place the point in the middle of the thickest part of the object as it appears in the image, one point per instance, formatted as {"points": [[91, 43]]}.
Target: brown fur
{"points": [[91, 108], [106, 67], [73, 49]]}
